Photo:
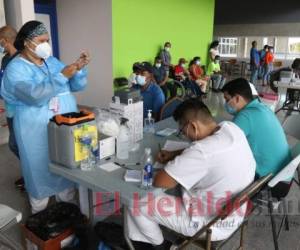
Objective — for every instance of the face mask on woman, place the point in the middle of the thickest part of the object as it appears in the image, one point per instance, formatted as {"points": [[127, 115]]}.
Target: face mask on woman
{"points": [[42, 50], [198, 62], [158, 65], [140, 80]]}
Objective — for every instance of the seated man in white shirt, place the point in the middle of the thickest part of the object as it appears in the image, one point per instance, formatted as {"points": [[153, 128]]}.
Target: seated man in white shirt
{"points": [[218, 164]]}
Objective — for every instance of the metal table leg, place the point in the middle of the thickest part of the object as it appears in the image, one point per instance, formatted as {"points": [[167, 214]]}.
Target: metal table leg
{"points": [[91, 206]]}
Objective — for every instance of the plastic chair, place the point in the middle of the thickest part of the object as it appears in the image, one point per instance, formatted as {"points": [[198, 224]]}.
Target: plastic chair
{"points": [[278, 189], [168, 109], [8, 218], [241, 198]]}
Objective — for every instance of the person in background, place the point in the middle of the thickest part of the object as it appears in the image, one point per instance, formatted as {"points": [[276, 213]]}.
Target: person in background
{"points": [[7, 38], [214, 71], [260, 125], [218, 161], [152, 94], [197, 73], [262, 55], [180, 71], [183, 75], [161, 78], [213, 50], [254, 62], [275, 76], [165, 57], [268, 65], [39, 86], [132, 77]]}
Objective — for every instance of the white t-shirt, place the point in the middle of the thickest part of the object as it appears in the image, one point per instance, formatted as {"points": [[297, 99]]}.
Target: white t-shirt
{"points": [[209, 169]]}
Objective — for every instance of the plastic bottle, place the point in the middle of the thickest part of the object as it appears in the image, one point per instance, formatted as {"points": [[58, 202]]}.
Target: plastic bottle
{"points": [[123, 140], [86, 147], [149, 123], [147, 172]]}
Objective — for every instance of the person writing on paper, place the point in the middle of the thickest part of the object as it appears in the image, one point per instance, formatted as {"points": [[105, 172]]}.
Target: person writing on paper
{"points": [[39, 86], [260, 125], [205, 167]]}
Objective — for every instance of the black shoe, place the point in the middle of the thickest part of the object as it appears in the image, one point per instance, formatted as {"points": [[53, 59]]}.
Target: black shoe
{"points": [[138, 245], [147, 246], [20, 183]]}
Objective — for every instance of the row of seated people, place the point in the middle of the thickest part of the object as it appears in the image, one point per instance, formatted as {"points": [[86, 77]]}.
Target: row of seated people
{"points": [[194, 78]]}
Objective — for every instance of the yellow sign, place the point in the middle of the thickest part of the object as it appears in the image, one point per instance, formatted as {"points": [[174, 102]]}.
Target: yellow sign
{"points": [[80, 152]]}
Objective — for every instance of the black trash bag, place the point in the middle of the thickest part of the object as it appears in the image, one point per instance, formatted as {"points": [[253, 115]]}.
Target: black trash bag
{"points": [[55, 219], [111, 234]]}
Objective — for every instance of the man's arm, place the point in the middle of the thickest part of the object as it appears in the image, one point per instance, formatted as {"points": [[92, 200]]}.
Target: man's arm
{"points": [[163, 180]]}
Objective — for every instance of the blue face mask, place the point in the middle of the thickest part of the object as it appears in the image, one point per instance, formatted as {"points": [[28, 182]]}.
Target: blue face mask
{"points": [[231, 110], [140, 80], [2, 49]]}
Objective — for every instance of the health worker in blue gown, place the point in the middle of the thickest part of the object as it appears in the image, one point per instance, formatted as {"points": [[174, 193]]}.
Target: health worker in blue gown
{"points": [[40, 86]]}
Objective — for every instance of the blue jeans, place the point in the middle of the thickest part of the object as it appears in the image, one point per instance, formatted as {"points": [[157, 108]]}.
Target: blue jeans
{"points": [[218, 81], [254, 75], [12, 143], [268, 70]]}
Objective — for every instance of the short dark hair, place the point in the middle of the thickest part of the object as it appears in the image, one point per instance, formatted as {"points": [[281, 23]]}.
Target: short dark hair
{"points": [[167, 43], [254, 42], [296, 64], [136, 67], [239, 86], [266, 46], [194, 108]]}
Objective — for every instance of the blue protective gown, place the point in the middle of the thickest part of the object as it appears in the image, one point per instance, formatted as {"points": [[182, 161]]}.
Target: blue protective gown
{"points": [[29, 88]]}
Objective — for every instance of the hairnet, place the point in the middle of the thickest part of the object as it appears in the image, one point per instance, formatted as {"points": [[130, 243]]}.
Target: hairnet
{"points": [[29, 30]]}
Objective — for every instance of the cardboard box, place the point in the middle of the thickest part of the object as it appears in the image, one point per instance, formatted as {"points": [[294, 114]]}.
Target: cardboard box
{"points": [[107, 146]]}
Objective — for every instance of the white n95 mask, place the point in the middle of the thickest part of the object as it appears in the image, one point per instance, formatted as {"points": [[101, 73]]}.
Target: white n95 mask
{"points": [[42, 50]]}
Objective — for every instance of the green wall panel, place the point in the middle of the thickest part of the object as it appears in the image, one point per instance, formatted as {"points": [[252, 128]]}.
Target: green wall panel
{"points": [[140, 28]]}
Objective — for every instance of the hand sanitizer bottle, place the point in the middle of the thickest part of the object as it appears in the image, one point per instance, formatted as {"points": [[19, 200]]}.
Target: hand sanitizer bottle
{"points": [[149, 123]]}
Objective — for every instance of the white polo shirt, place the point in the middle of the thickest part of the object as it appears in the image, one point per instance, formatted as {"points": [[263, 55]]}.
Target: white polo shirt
{"points": [[211, 170]]}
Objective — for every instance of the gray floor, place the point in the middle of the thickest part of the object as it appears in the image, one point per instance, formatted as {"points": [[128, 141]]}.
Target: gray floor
{"points": [[258, 235]]}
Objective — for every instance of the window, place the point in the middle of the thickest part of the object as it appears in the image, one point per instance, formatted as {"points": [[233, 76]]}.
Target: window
{"points": [[228, 46], [285, 48], [293, 47]]}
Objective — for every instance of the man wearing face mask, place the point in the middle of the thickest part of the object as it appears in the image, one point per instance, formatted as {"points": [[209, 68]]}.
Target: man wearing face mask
{"points": [[152, 94], [7, 39], [218, 161], [165, 56], [39, 86], [260, 125], [161, 78], [214, 71]]}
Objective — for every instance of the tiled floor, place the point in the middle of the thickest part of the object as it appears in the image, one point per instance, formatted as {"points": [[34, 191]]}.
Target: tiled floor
{"points": [[258, 235]]}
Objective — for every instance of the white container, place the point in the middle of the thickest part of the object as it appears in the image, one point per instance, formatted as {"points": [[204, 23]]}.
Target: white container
{"points": [[123, 140]]}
